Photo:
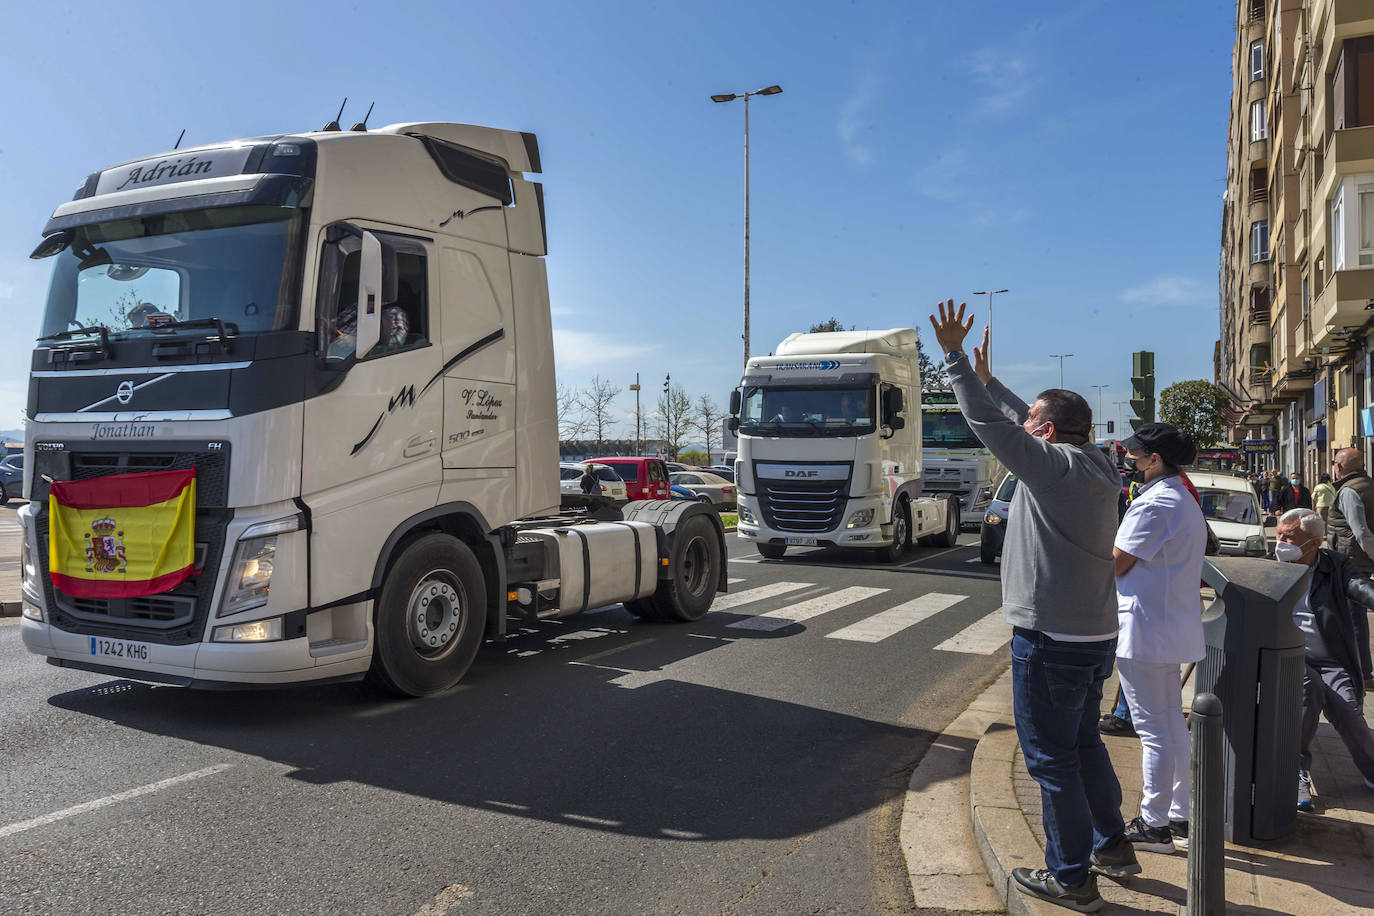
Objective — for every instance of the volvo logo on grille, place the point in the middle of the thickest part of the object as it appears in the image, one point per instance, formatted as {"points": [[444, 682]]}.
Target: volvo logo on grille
{"points": [[125, 392]]}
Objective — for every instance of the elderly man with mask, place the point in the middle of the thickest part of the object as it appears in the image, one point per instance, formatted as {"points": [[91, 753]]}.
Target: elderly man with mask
{"points": [[1325, 614]]}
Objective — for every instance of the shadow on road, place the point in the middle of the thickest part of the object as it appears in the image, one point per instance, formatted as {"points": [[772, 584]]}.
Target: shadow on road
{"points": [[607, 744]]}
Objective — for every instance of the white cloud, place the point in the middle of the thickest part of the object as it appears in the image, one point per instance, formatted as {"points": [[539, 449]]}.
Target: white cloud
{"points": [[851, 121], [1167, 290], [1002, 78], [581, 351]]}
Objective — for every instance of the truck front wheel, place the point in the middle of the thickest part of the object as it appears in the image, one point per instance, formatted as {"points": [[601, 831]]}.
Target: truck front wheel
{"points": [[771, 551], [901, 534], [430, 617]]}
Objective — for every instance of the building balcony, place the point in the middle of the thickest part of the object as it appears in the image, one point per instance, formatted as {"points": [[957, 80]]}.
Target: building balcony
{"points": [[1257, 273], [1342, 305], [1259, 314], [1351, 150]]}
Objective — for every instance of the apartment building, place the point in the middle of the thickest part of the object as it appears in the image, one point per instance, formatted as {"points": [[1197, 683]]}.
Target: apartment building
{"points": [[1296, 277]]}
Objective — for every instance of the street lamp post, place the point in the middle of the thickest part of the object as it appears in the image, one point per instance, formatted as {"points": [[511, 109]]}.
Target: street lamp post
{"points": [[730, 97], [989, 293], [1100, 418], [639, 446], [1061, 357]]}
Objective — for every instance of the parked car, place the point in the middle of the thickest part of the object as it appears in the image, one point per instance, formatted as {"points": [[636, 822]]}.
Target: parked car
{"points": [[708, 487], [681, 492], [721, 470], [674, 466], [645, 478], [1233, 513], [11, 477], [570, 480], [993, 531]]}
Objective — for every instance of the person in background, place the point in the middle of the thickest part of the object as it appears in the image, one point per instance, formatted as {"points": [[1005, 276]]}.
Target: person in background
{"points": [[1325, 612], [1350, 536], [1059, 596], [1302, 496], [1323, 495], [1158, 556], [589, 484]]}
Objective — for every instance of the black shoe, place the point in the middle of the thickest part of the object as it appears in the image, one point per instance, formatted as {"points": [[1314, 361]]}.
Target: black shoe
{"points": [[1041, 883], [1117, 861], [1149, 839], [1114, 725], [1179, 829]]}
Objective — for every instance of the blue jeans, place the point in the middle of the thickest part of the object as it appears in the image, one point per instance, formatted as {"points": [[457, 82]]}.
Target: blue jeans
{"points": [[1057, 692]]}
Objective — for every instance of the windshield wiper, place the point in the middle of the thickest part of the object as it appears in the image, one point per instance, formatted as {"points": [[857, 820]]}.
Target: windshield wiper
{"points": [[80, 352], [225, 329]]}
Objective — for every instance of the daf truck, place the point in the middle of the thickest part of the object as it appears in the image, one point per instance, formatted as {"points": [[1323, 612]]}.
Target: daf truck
{"points": [[953, 460], [829, 433], [346, 335]]}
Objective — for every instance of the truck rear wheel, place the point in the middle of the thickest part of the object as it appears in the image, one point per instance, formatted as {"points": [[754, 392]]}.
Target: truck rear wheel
{"points": [[901, 533], [695, 567], [430, 617]]}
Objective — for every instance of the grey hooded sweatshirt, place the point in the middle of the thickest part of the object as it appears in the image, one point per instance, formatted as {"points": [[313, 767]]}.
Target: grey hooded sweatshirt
{"points": [[1057, 569]]}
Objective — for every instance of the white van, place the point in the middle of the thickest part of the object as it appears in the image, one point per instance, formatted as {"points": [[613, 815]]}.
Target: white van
{"points": [[1233, 512]]}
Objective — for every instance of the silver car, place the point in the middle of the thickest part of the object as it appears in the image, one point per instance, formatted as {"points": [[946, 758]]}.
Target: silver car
{"points": [[612, 487], [11, 477], [709, 488]]}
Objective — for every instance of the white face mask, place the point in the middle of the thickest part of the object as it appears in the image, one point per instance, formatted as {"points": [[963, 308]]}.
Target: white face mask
{"points": [[1285, 552]]}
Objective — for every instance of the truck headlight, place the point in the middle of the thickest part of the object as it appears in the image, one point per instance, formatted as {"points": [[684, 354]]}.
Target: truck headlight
{"points": [[250, 575], [257, 631], [861, 519], [28, 573], [1255, 545], [745, 515], [992, 518]]}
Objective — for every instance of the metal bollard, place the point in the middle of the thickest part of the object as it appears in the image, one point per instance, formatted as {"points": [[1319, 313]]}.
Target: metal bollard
{"points": [[1207, 821]]}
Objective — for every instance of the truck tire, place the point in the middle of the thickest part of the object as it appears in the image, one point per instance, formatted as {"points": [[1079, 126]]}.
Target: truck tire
{"points": [[901, 534], [4, 495], [695, 566], [772, 551], [950, 536], [643, 608], [430, 617]]}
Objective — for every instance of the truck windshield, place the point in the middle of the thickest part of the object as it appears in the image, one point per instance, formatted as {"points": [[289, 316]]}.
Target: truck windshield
{"points": [[812, 411], [134, 276], [944, 427]]}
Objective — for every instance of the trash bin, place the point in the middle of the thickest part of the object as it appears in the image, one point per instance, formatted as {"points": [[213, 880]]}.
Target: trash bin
{"points": [[1254, 665]]}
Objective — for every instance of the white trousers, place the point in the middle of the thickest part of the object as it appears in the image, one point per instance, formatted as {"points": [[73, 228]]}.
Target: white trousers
{"points": [[1156, 699]]}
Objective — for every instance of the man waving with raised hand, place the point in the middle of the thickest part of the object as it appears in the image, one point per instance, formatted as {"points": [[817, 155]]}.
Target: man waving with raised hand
{"points": [[1059, 595]]}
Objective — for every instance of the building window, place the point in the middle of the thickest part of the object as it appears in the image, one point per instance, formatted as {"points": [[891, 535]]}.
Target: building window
{"points": [[1259, 123], [1256, 10], [1352, 84], [1257, 60], [1338, 232], [1259, 241], [1306, 297], [1259, 185], [1366, 198]]}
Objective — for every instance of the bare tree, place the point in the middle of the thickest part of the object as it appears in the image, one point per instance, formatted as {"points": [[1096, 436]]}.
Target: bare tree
{"points": [[572, 420], [597, 400], [707, 420], [674, 419]]}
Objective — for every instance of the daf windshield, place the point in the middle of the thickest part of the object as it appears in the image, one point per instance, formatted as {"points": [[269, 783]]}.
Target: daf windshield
{"points": [[944, 427], [135, 276], [807, 411]]}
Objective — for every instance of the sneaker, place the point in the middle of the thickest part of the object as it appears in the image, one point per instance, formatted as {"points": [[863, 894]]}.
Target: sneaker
{"points": [[1114, 725], [1116, 861], [1179, 829], [1149, 839], [1304, 791], [1042, 884]]}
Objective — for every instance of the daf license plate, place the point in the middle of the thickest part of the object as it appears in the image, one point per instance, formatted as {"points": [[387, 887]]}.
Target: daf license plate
{"points": [[119, 648], [801, 540]]}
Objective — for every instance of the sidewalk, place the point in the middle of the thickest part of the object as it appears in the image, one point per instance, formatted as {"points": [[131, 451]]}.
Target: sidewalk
{"points": [[1325, 866], [9, 560]]}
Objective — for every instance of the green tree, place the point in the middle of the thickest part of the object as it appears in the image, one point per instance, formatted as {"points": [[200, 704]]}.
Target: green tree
{"points": [[694, 456], [674, 419], [830, 324], [1196, 408], [933, 376]]}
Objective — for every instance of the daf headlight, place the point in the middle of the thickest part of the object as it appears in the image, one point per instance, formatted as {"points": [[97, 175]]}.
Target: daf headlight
{"points": [[1255, 545], [861, 519], [250, 575], [745, 515], [992, 518]]}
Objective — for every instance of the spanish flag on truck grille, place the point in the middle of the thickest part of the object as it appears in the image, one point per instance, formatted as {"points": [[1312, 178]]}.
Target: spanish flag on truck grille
{"points": [[122, 536]]}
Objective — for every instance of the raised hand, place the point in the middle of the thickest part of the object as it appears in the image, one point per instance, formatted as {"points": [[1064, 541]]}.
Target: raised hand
{"points": [[951, 329], [980, 359]]}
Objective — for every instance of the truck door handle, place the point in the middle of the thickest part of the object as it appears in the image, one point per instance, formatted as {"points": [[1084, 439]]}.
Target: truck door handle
{"points": [[419, 445]]}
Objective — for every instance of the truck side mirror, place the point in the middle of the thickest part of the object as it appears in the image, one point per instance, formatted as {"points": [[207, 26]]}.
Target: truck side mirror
{"points": [[732, 424], [892, 406], [369, 295], [895, 423], [734, 403]]}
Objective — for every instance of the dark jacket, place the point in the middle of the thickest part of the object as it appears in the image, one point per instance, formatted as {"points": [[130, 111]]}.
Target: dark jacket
{"points": [[1303, 499], [1281, 500], [590, 485], [1341, 538], [1334, 585]]}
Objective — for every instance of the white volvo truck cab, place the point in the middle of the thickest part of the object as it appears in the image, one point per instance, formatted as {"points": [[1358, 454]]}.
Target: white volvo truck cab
{"points": [[347, 335], [830, 446], [953, 460]]}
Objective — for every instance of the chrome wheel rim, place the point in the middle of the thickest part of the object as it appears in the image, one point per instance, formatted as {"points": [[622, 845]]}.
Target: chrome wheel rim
{"points": [[434, 614]]}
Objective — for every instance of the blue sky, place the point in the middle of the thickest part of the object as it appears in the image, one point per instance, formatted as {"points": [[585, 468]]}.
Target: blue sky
{"points": [[1073, 152]]}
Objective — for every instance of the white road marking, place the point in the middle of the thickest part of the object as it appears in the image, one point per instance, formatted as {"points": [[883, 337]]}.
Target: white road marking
{"points": [[895, 620], [596, 655], [74, 810], [744, 559], [796, 613], [984, 637], [736, 581], [750, 595]]}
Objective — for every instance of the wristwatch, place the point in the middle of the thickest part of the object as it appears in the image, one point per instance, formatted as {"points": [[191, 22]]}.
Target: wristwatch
{"points": [[953, 356]]}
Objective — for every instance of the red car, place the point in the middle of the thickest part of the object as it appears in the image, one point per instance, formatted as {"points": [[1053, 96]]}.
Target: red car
{"points": [[645, 478]]}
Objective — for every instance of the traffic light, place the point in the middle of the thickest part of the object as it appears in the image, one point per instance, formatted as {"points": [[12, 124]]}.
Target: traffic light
{"points": [[1111, 427], [666, 380], [1142, 388]]}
